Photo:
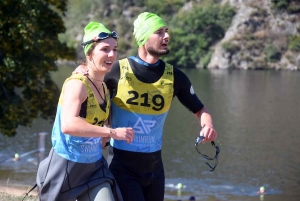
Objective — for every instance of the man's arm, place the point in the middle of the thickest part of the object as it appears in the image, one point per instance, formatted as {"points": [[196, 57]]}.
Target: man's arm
{"points": [[205, 121], [184, 91]]}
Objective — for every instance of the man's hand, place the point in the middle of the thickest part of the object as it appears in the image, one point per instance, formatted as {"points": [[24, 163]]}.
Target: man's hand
{"points": [[209, 133], [81, 69]]}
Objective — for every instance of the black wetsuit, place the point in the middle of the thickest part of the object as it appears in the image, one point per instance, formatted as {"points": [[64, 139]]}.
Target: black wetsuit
{"points": [[139, 175]]}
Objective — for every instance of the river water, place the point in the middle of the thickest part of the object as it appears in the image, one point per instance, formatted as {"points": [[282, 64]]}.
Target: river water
{"points": [[256, 115]]}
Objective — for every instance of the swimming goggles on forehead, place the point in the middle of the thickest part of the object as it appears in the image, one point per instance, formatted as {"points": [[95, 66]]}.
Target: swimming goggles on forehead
{"points": [[102, 36]]}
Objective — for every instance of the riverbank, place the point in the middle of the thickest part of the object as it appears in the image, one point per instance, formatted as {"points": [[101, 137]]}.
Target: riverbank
{"points": [[16, 193]]}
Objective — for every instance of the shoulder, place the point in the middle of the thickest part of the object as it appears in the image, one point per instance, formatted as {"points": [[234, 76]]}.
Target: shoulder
{"points": [[75, 82], [75, 89], [178, 74]]}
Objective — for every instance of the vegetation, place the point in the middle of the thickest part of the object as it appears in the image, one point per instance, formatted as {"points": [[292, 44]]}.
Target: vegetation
{"points": [[29, 48], [35, 34], [230, 47], [294, 44], [194, 31], [291, 6], [272, 53], [206, 23]]}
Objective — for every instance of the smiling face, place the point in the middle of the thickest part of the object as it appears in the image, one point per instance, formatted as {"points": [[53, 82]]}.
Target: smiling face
{"points": [[102, 55], [157, 44]]}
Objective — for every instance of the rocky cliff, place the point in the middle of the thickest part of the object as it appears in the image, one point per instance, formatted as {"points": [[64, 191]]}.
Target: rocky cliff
{"points": [[258, 38]]}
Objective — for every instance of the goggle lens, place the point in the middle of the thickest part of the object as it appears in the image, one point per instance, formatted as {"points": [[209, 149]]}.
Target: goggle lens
{"points": [[102, 36]]}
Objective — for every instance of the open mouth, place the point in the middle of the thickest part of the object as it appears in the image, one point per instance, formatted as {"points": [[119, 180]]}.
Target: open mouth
{"points": [[164, 45], [108, 62]]}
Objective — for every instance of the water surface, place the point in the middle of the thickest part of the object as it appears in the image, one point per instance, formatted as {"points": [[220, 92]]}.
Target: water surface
{"points": [[257, 116]]}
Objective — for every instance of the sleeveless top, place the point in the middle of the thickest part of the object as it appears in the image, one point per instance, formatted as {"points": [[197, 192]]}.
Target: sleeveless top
{"points": [[80, 149], [142, 106]]}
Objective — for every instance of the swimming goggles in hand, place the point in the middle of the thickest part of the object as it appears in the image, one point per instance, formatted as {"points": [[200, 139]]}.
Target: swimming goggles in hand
{"points": [[197, 142]]}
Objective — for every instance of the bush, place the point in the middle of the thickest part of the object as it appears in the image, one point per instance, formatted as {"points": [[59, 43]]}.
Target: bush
{"points": [[291, 6], [230, 47], [294, 43], [193, 32], [280, 4], [272, 53]]}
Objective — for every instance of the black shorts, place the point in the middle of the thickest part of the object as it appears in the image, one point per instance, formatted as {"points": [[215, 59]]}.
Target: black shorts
{"points": [[140, 176]]}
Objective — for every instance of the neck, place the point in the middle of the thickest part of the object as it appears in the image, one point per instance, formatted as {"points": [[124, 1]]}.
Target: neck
{"points": [[94, 74], [94, 79], [146, 56]]}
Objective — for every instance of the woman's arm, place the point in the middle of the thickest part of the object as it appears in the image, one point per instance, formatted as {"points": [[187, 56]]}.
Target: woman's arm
{"points": [[73, 96]]}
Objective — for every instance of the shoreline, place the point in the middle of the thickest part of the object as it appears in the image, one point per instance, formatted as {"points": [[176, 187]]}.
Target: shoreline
{"points": [[16, 192]]}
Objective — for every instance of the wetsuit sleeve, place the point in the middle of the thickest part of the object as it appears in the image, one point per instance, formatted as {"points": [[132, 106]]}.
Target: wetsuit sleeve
{"points": [[184, 91], [111, 79]]}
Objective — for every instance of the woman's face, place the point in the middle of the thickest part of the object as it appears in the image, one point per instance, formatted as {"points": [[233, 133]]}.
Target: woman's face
{"points": [[103, 55]]}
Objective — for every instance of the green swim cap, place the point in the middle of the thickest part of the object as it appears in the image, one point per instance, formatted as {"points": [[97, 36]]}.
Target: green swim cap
{"points": [[145, 25], [91, 31]]}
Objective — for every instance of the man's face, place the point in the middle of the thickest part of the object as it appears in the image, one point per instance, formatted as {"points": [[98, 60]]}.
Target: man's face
{"points": [[157, 44]]}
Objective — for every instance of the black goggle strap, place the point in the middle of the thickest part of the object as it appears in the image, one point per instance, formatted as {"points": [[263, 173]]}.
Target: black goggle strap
{"points": [[35, 185], [198, 140], [99, 37]]}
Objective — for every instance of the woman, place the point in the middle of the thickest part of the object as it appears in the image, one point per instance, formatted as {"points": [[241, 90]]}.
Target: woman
{"points": [[75, 167]]}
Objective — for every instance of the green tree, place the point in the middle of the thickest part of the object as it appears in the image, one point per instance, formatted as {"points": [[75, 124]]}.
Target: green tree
{"points": [[165, 9], [29, 48], [194, 31]]}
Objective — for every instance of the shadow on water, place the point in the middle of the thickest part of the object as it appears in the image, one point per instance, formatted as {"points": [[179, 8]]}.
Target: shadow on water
{"points": [[256, 114]]}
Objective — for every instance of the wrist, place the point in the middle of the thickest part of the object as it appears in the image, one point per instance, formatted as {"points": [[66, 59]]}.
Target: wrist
{"points": [[208, 125], [112, 132]]}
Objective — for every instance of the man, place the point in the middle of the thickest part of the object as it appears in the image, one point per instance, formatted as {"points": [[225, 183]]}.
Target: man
{"points": [[143, 88]]}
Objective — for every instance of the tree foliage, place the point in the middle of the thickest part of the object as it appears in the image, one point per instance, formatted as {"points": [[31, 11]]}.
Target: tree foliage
{"points": [[194, 25], [165, 9], [291, 6], [194, 31], [29, 48]]}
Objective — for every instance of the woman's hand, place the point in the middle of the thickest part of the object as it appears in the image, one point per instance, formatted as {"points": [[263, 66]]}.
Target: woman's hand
{"points": [[122, 134]]}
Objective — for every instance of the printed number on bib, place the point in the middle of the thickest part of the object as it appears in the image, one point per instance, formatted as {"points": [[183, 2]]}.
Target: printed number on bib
{"points": [[157, 100], [97, 122]]}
